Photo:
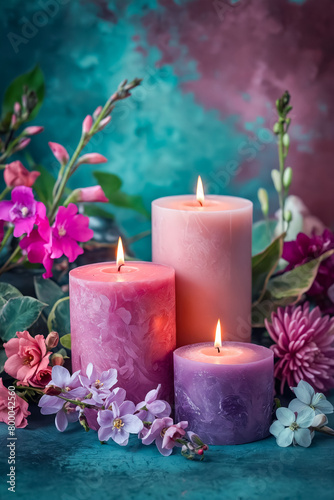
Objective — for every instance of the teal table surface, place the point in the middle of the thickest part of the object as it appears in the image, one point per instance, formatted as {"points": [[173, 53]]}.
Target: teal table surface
{"points": [[74, 465]]}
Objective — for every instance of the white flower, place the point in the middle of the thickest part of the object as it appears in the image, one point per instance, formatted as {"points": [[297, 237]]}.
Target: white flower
{"points": [[293, 428], [320, 420], [307, 398]]}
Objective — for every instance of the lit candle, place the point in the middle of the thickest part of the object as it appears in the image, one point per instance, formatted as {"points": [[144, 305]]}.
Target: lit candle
{"points": [[123, 317], [207, 239], [225, 390]]}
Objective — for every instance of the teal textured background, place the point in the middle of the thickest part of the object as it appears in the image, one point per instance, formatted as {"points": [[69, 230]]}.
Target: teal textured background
{"points": [[74, 466], [212, 71]]}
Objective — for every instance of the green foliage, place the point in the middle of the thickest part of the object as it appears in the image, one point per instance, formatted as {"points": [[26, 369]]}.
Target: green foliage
{"points": [[95, 211], [17, 314], [65, 341], [111, 185], [262, 235], [3, 359], [34, 80], [286, 289], [264, 265], [44, 185], [59, 317], [47, 291]]}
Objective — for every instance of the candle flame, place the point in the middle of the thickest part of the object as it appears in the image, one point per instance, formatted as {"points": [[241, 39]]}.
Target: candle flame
{"points": [[120, 254], [218, 338], [200, 191]]}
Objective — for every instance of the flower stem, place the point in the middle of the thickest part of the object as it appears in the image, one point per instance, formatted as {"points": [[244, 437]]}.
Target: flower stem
{"points": [[10, 259], [281, 158], [9, 232], [4, 192]]}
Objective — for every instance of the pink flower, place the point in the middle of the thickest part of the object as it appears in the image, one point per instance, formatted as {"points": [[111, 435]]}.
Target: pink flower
{"points": [[59, 152], [69, 228], [97, 112], [92, 158], [16, 174], [87, 124], [23, 143], [104, 122], [27, 358], [33, 130], [164, 432], [304, 346], [9, 401], [21, 210], [52, 340], [17, 108], [37, 248], [91, 194]]}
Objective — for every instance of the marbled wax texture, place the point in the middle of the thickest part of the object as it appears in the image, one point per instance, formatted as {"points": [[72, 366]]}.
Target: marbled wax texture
{"points": [[125, 320], [225, 403]]}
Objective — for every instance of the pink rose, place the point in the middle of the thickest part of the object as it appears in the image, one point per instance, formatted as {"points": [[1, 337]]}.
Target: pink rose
{"points": [[16, 174], [28, 358], [17, 404], [91, 194]]}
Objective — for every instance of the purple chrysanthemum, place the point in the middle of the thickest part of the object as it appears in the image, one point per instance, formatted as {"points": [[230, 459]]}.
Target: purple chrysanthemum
{"points": [[304, 346], [306, 248]]}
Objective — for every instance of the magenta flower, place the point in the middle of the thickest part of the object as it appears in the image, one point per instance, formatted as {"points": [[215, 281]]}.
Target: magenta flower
{"points": [[306, 248], [119, 423], [91, 194], [152, 407], [69, 228], [98, 385], [21, 210], [164, 433], [59, 152], [303, 347], [87, 124]]}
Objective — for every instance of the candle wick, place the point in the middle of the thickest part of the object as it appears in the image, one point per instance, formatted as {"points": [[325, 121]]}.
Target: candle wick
{"points": [[199, 201], [119, 268], [218, 349]]}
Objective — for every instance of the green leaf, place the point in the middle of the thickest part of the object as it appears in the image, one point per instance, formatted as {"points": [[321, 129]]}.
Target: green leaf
{"points": [[34, 80], [8, 291], [47, 291], [3, 359], [95, 211], [264, 265], [134, 202], [286, 289], [59, 317], [263, 233], [44, 184], [110, 183], [18, 314], [65, 341]]}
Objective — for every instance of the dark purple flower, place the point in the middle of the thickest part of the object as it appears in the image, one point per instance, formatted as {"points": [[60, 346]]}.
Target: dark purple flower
{"points": [[119, 423], [306, 248], [21, 210]]}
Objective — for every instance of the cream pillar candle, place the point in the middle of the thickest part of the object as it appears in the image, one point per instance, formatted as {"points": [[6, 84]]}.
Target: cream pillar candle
{"points": [[208, 242]]}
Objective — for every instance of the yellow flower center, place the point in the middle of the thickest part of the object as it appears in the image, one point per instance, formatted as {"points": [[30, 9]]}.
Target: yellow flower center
{"points": [[98, 384], [61, 231], [163, 432], [294, 426], [24, 211], [28, 359], [118, 423]]}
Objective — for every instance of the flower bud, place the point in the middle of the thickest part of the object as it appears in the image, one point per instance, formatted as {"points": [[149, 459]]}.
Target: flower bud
{"points": [[286, 140], [52, 390], [276, 177], [97, 112], [288, 216], [13, 121], [264, 201], [17, 108], [104, 122], [59, 152], [52, 340], [57, 359], [33, 130], [87, 124], [287, 177], [23, 143], [83, 422], [276, 128], [92, 158], [91, 194]]}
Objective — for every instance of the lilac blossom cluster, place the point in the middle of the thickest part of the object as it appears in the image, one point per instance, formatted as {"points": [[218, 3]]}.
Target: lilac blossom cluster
{"points": [[94, 400]]}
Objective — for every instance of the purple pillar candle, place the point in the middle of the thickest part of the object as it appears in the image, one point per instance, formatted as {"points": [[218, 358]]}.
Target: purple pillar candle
{"points": [[226, 396]]}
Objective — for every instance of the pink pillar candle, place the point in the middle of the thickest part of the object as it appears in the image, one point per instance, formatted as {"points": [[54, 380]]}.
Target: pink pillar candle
{"points": [[209, 247], [226, 397], [125, 320]]}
